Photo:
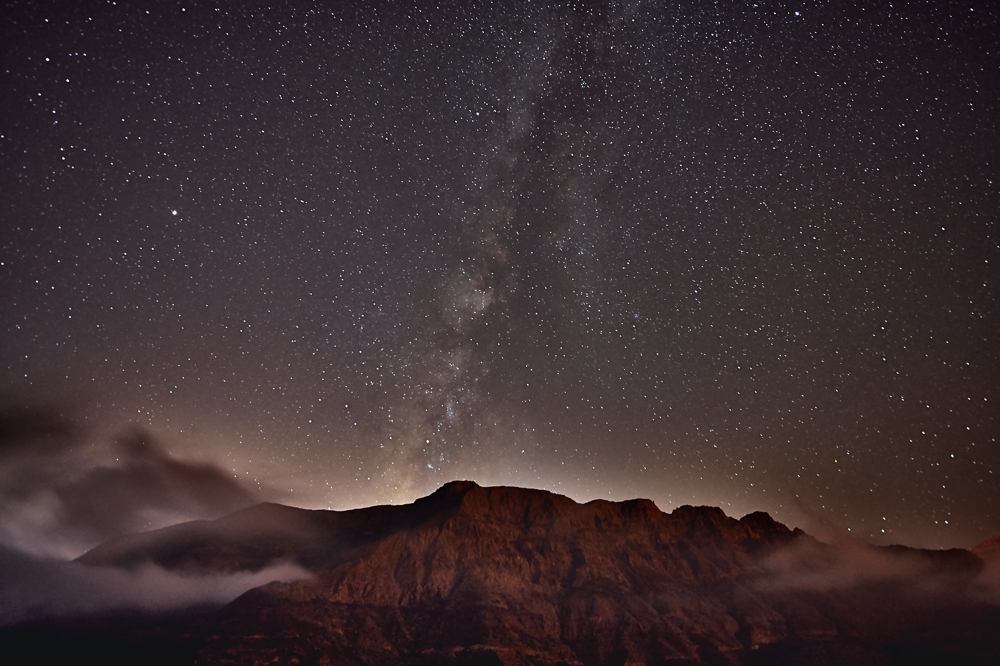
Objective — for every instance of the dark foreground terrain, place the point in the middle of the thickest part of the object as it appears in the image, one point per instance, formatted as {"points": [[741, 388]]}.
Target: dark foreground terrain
{"points": [[472, 575]]}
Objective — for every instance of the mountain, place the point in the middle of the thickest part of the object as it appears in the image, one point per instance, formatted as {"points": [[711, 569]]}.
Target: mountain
{"points": [[474, 575], [988, 550]]}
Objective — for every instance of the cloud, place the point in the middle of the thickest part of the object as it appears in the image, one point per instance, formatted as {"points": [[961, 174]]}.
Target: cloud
{"points": [[815, 566], [61, 494], [36, 588]]}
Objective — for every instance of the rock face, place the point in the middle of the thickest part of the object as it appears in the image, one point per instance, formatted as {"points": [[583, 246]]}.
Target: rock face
{"points": [[513, 576], [525, 576]]}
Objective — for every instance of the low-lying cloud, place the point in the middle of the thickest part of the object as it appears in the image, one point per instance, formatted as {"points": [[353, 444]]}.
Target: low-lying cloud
{"points": [[35, 589], [61, 495], [810, 565]]}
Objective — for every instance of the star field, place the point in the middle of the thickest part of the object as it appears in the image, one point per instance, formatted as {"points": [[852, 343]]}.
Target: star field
{"points": [[732, 254]]}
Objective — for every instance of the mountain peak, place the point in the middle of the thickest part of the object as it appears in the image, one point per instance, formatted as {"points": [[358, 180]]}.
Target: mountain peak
{"points": [[456, 488]]}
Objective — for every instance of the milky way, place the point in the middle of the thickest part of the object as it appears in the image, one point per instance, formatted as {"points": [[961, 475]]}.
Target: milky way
{"points": [[729, 254]]}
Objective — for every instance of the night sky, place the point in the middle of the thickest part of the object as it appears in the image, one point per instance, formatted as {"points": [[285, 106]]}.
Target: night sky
{"points": [[706, 253]]}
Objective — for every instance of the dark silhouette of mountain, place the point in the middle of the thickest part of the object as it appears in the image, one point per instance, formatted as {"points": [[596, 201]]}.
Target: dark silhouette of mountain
{"points": [[473, 575]]}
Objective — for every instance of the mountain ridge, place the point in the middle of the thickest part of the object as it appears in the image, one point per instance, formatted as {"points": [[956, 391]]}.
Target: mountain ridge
{"points": [[295, 527], [504, 575]]}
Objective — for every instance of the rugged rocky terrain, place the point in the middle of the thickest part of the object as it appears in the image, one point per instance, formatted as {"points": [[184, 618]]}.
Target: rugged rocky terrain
{"points": [[513, 576]]}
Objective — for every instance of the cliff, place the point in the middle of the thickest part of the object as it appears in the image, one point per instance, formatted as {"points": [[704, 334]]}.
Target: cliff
{"points": [[514, 576]]}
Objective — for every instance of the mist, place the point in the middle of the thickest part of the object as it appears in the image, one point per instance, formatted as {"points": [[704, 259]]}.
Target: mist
{"points": [[814, 566], [62, 492], [46, 589]]}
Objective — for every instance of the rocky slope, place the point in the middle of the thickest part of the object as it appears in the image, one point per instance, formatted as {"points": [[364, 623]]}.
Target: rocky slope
{"points": [[513, 576]]}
